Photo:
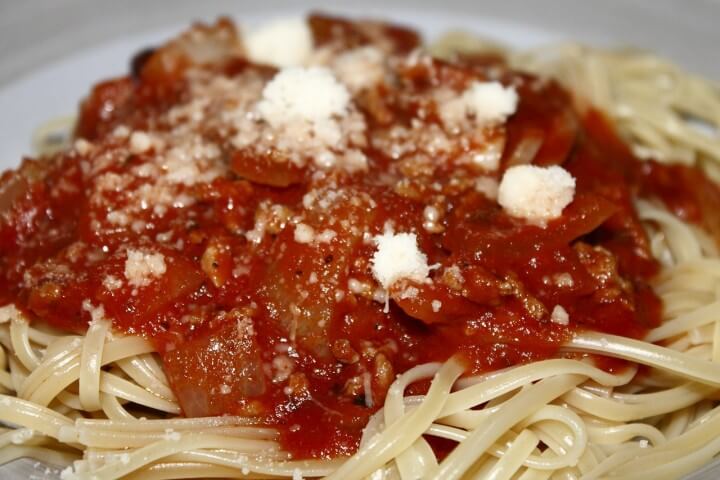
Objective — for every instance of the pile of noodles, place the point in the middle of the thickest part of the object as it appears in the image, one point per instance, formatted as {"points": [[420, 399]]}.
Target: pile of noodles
{"points": [[100, 404]]}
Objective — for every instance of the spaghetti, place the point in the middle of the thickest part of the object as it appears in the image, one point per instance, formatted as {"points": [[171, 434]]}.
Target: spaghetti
{"points": [[586, 401]]}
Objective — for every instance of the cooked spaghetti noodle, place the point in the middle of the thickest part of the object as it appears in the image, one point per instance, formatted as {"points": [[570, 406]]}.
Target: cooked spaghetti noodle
{"points": [[102, 404]]}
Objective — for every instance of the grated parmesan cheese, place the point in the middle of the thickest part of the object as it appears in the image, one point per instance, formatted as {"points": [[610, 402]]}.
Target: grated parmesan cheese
{"points": [[409, 292], [537, 194], [304, 233], [82, 146], [560, 316], [283, 42], [283, 367], [119, 218], [436, 305], [121, 131], [303, 114], [111, 282], [360, 68], [312, 94], [141, 267], [483, 102], [564, 280], [398, 257], [356, 286], [181, 162], [326, 236], [140, 142]]}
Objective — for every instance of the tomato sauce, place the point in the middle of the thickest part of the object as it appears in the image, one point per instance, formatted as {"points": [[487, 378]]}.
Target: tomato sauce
{"points": [[248, 320]]}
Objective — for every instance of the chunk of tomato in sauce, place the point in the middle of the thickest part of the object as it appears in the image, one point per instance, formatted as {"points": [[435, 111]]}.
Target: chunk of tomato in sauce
{"points": [[544, 122], [304, 309], [217, 372], [36, 215], [135, 309], [58, 289], [346, 34], [431, 303], [481, 226], [267, 169], [214, 45], [299, 288], [102, 105]]}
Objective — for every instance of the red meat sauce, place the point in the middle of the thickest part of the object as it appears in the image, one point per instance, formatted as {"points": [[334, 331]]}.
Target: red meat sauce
{"points": [[250, 321]]}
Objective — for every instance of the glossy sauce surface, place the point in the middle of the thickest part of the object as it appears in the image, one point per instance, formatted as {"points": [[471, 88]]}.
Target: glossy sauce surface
{"points": [[248, 319]]}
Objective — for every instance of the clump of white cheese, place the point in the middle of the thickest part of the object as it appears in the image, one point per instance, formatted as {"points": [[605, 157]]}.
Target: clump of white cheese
{"points": [[482, 102], [304, 233], [560, 316], [307, 113], [312, 94], [537, 194], [284, 42], [398, 257], [142, 267]]}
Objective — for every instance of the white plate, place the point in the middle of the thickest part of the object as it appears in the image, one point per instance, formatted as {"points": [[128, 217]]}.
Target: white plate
{"points": [[51, 52]]}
